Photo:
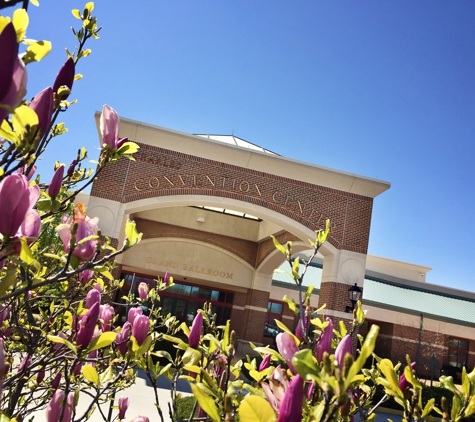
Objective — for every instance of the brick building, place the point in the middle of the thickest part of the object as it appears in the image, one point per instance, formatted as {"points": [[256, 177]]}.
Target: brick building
{"points": [[207, 205]]}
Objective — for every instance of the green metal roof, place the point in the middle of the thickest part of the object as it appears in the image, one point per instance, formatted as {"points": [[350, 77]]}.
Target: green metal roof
{"points": [[390, 295]]}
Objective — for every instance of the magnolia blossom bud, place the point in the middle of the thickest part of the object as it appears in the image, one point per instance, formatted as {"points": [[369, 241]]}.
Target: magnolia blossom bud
{"points": [[71, 168], [42, 105], [291, 407], [55, 407], [325, 342], [133, 312], [56, 381], [345, 346], [140, 419], [140, 328], [106, 313], [65, 77], [40, 376], [265, 363], [25, 363], [287, 348], [87, 326], [85, 276], [123, 337], [143, 291], [55, 184], [109, 125], [166, 278], [404, 384], [195, 331], [93, 296], [123, 406]]}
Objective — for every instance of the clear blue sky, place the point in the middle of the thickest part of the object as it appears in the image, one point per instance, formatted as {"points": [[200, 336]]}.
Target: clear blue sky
{"points": [[382, 89]]}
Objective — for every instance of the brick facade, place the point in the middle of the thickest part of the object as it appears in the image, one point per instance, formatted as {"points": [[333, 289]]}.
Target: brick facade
{"points": [[160, 172]]}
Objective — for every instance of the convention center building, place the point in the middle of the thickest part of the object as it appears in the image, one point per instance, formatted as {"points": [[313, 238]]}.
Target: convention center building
{"points": [[207, 206]]}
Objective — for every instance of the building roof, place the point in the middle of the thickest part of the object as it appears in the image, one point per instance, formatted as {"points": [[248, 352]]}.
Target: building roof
{"points": [[415, 298], [239, 142]]}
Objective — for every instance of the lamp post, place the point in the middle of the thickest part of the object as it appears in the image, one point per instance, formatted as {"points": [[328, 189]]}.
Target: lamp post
{"points": [[354, 294]]}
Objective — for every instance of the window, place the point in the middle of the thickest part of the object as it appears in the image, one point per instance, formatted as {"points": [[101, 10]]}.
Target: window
{"points": [[458, 352], [274, 311]]}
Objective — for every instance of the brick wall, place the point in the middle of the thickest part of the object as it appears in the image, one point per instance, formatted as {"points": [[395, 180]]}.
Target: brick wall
{"points": [[160, 172], [335, 296]]}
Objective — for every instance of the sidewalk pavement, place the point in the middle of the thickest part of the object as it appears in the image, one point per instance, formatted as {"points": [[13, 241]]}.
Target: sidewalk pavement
{"points": [[141, 400]]}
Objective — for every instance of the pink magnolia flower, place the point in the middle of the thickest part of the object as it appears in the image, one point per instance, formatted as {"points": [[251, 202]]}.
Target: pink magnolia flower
{"points": [[17, 198], [86, 227], [55, 184], [123, 337], [344, 347], [140, 328], [71, 167], [85, 276], [166, 278], [55, 406], [29, 228], [133, 313], [325, 342], [109, 125], [24, 169], [404, 384], [87, 326], [65, 77], [265, 363], [143, 291], [139, 419], [276, 388], [287, 348], [93, 296], [40, 376], [42, 105], [195, 331], [106, 313], [291, 407], [12, 72], [123, 406]]}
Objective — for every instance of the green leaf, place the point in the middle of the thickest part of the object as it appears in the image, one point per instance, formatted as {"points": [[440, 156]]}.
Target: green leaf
{"points": [[76, 13], [360, 314], [37, 51], [465, 382], [9, 280], [104, 340], [163, 354], [455, 407], [128, 148], [185, 328], [191, 356], [256, 409], [206, 403], [291, 303], [470, 408], [322, 235], [90, 374], [366, 350], [305, 364], [428, 408], [278, 245], [56, 339], [226, 336], [107, 375], [343, 330], [145, 346], [133, 237]]}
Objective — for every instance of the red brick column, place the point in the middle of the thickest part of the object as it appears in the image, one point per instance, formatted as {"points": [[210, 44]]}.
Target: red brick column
{"points": [[254, 316]]}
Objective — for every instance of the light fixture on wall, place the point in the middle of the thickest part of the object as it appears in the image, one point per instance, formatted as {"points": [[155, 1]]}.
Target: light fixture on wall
{"points": [[201, 220], [354, 294]]}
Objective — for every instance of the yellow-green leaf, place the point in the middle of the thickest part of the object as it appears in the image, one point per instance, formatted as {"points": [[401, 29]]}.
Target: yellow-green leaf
{"points": [[278, 245], [133, 236], [77, 76], [34, 2], [37, 51], [57, 339], [206, 403], [90, 374], [104, 340], [20, 22], [256, 409], [25, 252], [76, 13]]}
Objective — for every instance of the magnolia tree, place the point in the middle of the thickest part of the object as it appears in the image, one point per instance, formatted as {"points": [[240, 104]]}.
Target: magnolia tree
{"points": [[60, 336]]}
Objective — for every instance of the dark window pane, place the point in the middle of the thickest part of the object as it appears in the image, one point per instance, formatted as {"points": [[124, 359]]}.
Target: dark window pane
{"points": [[205, 293], [180, 289], [463, 344], [229, 297], [195, 291], [221, 296], [276, 308], [453, 342]]}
